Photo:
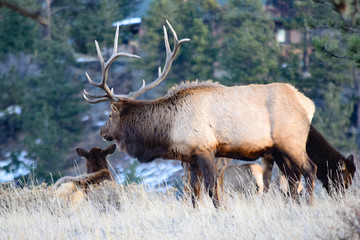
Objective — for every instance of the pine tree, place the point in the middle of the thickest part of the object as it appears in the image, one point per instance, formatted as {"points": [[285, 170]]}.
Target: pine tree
{"points": [[52, 108], [17, 33], [91, 20], [336, 24], [328, 80], [334, 104], [249, 51]]}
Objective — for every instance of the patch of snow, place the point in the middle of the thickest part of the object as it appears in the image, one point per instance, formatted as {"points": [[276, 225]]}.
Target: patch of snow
{"points": [[85, 118], [99, 123], [129, 21], [14, 109], [26, 164], [154, 173], [5, 163]]}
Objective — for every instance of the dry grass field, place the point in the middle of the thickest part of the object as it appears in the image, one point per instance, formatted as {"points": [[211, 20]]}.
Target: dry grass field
{"points": [[113, 211]]}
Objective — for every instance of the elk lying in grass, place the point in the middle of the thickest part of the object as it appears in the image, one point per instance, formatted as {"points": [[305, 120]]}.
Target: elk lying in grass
{"points": [[199, 121], [97, 171], [334, 170], [245, 178]]}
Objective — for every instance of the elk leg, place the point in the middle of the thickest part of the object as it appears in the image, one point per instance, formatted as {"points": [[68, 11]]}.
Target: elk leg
{"points": [[221, 164], [220, 184], [304, 165], [267, 166], [294, 182], [195, 176], [206, 162], [309, 171], [186, 180], [289, 172]]}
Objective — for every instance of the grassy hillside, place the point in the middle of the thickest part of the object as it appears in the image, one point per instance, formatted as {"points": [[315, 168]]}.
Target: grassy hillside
{"points": [[114, 211]]}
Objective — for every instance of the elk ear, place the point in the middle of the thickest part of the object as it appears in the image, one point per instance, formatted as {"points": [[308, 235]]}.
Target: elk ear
{"points": [[342, 165], [350, 158], [82, 153], [110, 150], [116, 108], [350, 165]]}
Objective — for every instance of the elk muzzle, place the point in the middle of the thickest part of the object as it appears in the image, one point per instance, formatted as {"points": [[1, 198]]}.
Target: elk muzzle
{"points": [[104, 133]]}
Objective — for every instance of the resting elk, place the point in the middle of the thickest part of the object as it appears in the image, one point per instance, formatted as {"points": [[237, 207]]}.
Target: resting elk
{"points": [[334, 170], [245, 178], [199, 121], [97, 171]]}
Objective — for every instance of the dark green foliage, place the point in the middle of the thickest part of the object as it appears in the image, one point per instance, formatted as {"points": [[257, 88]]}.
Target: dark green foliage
{"points": [[195, 59], [44, 85], [332, 118], [249, 51], [328, 76], [330, 89], [336, 42], [52, 107], [86, 21], [10, 101], [17, 33], [338, 36]]}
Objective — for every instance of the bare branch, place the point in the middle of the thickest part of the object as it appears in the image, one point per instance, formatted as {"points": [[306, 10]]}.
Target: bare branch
{"points": [[35, 16]]}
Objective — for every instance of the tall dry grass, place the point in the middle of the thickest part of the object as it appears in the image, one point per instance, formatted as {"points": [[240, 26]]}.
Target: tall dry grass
{"points": [[113, 211]]}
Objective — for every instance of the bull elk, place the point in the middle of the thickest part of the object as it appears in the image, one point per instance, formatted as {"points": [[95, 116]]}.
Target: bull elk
{"points": [[334, 170], [97, 171], [199, 121]]}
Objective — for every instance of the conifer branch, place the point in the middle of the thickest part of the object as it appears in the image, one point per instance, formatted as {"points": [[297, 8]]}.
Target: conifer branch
{"points": [[333, 54]]}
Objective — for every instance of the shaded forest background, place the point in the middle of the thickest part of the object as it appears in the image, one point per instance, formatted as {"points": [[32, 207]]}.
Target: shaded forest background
{"points": [[235, 42]]}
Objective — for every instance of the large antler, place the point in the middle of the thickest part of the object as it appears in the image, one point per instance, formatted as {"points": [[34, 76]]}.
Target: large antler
{"points": [[110, 96]]}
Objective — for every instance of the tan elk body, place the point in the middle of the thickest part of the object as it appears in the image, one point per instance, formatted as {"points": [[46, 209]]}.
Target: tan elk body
{"points": [[196, 122]]}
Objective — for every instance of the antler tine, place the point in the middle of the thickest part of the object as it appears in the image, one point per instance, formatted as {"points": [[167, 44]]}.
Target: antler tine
{"points": [[170, 55], [175, 36], [109, 96], [97, 100], [166, 40], [98, 51], [89, 95]]}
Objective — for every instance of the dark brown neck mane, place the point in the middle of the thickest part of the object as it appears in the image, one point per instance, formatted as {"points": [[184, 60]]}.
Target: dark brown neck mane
{"points": [[144, 129]]}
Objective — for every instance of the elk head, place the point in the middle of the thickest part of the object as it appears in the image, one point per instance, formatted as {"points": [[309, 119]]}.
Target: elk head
{"points": [[110, 131], [346, 171], [96, 157]]}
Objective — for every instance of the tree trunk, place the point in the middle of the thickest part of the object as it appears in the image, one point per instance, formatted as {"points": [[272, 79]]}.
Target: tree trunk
{"points": [[357, 97], [357, 89], [48, 17]]}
